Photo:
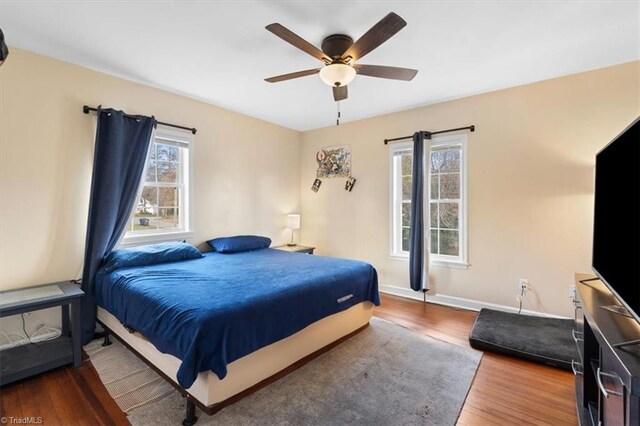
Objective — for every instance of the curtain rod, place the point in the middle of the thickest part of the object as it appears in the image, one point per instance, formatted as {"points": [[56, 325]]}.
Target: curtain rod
{"points": [[428, 134], [86, 109]]}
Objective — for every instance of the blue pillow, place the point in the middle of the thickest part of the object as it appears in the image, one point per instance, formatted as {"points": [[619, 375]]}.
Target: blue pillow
{"points": [[150, 255], [239, 243]]}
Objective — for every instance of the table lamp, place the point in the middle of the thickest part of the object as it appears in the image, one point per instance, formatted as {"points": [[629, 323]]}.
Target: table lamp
{"points": [[293, 223]]}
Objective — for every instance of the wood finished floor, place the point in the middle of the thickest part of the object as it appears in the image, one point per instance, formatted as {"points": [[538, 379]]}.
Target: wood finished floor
{"points": [[505, 391]]}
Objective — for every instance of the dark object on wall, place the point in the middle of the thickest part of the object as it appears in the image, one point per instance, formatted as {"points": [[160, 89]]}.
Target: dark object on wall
{"points": [[339, 55], [471, 128], [538, 339], [349, 185], [122, 143], [316, 185], [4, 50], [87, 109]]}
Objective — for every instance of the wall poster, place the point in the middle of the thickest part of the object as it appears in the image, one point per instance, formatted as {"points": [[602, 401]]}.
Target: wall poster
{"points": [[334, 161]]}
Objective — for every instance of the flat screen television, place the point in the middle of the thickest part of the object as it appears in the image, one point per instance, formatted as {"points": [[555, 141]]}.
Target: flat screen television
{"points": [[616, 222]]}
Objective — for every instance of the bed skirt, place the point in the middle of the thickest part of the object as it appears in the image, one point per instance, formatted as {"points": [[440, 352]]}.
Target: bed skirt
{"points": [[209, 392]]}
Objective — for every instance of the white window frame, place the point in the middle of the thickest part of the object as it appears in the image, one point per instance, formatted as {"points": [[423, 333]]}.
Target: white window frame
{"points": [[396, 252], [396, 198], [183, 139]]}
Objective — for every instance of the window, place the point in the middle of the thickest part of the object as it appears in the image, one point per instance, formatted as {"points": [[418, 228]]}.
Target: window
{"points": [[447, 200], [163, 209]]}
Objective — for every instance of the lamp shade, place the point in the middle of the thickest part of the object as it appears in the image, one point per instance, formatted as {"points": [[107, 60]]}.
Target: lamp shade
{"points": [[337, 74], [293, 221]]}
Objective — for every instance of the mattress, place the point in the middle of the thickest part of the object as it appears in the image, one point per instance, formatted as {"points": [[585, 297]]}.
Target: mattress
{"points": [[254, 368], [212, 311]]}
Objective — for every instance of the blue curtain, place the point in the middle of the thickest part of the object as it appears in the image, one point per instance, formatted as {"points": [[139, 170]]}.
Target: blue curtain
{"points": [[122, 143], [419, 253]]}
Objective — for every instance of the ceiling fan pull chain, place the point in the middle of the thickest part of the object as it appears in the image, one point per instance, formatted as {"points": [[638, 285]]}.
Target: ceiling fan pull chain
{"points": [[338, 119]]}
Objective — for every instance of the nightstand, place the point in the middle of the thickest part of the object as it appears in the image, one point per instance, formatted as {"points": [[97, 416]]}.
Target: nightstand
{"points": [[27, 360], [295, 249]]}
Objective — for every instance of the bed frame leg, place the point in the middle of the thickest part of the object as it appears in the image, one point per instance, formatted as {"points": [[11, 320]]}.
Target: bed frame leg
{"points": [[190, 418], [107, 339]]}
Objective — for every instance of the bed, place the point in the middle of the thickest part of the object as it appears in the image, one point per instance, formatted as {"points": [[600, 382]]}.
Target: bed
{"points": [[220, 326]]}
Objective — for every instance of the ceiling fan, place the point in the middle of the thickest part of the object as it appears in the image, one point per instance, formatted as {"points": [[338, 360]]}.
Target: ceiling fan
{"points": [[340, 54]]}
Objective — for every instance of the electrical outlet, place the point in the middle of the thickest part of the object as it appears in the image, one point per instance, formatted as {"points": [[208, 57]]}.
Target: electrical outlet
{"points": [[523, 284], [572, 292]]}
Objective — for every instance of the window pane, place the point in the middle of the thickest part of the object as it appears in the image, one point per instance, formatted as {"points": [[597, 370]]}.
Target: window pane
{"points": [[143, 220], [167, 153], [449, 243], [167, 172], [151, 172], [451, 161], [406, 242], [407, 166], [450, 186], [406, 214], [435, 193], [148, 199], [406, 188], [152, 152], [449, 215], [434, 241], [437, 160], [434, 215], [167, 197], [148, 202], [168, 218]]}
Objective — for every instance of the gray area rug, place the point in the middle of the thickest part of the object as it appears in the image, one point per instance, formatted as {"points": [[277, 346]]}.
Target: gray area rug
{"points": [[385, 375], [539, 339]]}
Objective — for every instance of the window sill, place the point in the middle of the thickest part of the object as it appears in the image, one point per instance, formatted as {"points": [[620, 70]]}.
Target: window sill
{"points": [[454, 264], [399, 256], [136, 240]]}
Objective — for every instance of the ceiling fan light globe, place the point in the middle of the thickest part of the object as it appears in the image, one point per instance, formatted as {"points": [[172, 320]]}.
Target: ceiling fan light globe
{"points": [[337, 74]]}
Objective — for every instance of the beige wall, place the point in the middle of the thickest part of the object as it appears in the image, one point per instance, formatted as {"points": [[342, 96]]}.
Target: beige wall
{"points": [[530, 176], [246, 174], [530, 185]]}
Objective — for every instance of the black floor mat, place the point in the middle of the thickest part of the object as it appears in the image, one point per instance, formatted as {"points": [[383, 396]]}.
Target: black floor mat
{"points": [[540, 339]]}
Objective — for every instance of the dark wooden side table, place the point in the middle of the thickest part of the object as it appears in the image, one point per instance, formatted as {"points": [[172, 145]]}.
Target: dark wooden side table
{"points": [[295, 249], [30, 359]]}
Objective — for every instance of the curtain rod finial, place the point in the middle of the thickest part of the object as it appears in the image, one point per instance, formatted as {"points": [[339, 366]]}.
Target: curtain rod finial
{"points": [[473, 128], [85, 109]]}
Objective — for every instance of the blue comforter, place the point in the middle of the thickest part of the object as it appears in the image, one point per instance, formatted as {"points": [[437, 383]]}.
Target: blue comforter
{"points": [[212, 311]]}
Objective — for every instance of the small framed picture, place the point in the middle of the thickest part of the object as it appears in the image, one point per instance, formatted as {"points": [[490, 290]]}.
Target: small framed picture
{"points": [[349, 185], [316, 185]]}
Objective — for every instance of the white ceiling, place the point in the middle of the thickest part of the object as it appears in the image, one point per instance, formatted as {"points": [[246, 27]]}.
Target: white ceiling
{"points": [[219, 51]]}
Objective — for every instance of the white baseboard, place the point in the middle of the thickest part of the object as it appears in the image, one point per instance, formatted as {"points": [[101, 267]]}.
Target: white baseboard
{"points": [[458, 302]]}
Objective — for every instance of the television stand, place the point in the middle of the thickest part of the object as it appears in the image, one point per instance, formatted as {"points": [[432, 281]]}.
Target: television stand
{"points": [[607, 371]]}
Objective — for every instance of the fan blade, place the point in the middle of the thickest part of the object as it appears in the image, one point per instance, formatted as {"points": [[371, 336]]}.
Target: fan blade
{"points": [[297, 41], [340, 93], [378, 34], [292, 75], [381, 71]]}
